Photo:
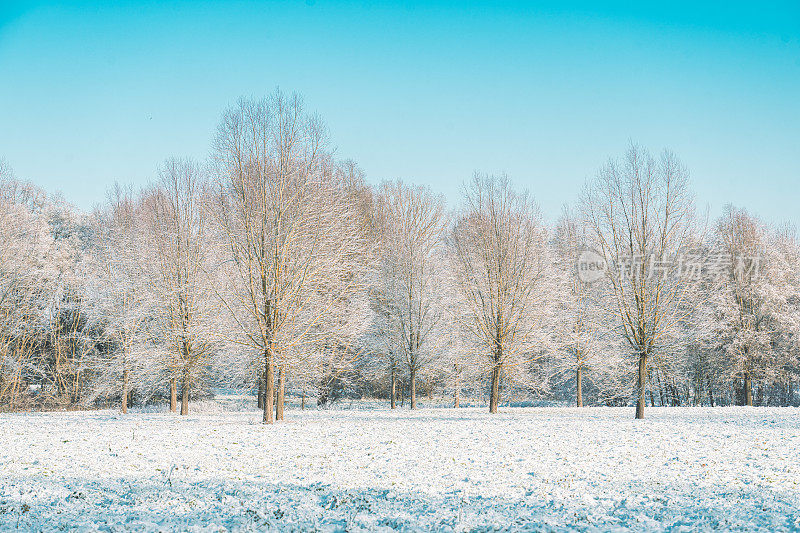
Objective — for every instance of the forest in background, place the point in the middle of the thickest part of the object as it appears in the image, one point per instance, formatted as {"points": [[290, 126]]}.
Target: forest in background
{"points": [[275, 267]]}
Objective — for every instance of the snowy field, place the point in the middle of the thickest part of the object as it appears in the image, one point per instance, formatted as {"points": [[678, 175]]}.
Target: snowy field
{"points": [[552, 469]]}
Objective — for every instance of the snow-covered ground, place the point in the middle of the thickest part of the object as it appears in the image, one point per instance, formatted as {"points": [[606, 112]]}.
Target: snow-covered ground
{"points": [[378, 470]]}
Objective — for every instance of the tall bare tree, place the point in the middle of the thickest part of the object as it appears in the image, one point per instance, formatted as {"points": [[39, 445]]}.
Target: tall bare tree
{"points": [[753, 297], [121, 299], [175, 215], [582, 329], [413, 226], [500, 269], [22, 250], [293, 231], [641, 216]]}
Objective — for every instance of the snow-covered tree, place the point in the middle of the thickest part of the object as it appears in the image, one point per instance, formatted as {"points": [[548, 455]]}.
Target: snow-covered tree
{"points": [[177, 231], [499, 243], [23, 247], [121, 299], [641, 217], [407, 297], [585, 342], [754, 279], [294, 234]]}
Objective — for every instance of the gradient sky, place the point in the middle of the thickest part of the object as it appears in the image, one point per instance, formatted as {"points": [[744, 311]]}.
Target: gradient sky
{"points": [[92, 93]]}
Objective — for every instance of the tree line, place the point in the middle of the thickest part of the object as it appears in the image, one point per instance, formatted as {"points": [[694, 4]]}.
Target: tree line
{"points": [[275, 267]]}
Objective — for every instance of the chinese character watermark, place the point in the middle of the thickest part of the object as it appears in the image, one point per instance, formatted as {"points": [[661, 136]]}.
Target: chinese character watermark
{"points": [[593, 266]]}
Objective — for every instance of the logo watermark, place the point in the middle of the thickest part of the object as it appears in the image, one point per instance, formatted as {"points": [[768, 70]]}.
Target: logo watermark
{"points": [[593, 266]]}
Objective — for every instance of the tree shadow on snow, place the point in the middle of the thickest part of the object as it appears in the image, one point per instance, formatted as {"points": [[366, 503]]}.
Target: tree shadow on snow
{"points": [[170, 503]]}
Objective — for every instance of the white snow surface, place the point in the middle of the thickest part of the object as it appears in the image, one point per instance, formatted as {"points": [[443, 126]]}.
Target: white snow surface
{"points": [[525, 469]]}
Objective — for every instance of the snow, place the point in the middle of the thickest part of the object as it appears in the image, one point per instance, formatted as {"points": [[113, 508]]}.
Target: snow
{"points": [[592, 469]]}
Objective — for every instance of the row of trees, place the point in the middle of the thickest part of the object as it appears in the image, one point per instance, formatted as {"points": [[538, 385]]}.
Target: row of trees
{"points": [[275, 267]]}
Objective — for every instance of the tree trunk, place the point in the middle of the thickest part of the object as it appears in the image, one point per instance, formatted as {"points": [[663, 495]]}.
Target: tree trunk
{"points": [[394, 390], [642, 385], [748, 390], [281, 391], [125, 392], [413, 387], [185, 392], [269, 387], [710, 392], [494, 396], [661, 395], [260, 390], [173, 395], [579, 386], [457, 392]]}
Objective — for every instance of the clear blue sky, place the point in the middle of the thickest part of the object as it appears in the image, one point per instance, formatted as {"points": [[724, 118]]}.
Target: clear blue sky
{"points": [[428, 92]]}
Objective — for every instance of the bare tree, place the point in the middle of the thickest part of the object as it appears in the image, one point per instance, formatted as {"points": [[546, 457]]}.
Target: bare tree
{"points": [[121, 299], [582, 332], [500, 263], [641, 216], [293, 232], [752, 298], [22, 250], [66, 338], [178, 231], [413, 225]]}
